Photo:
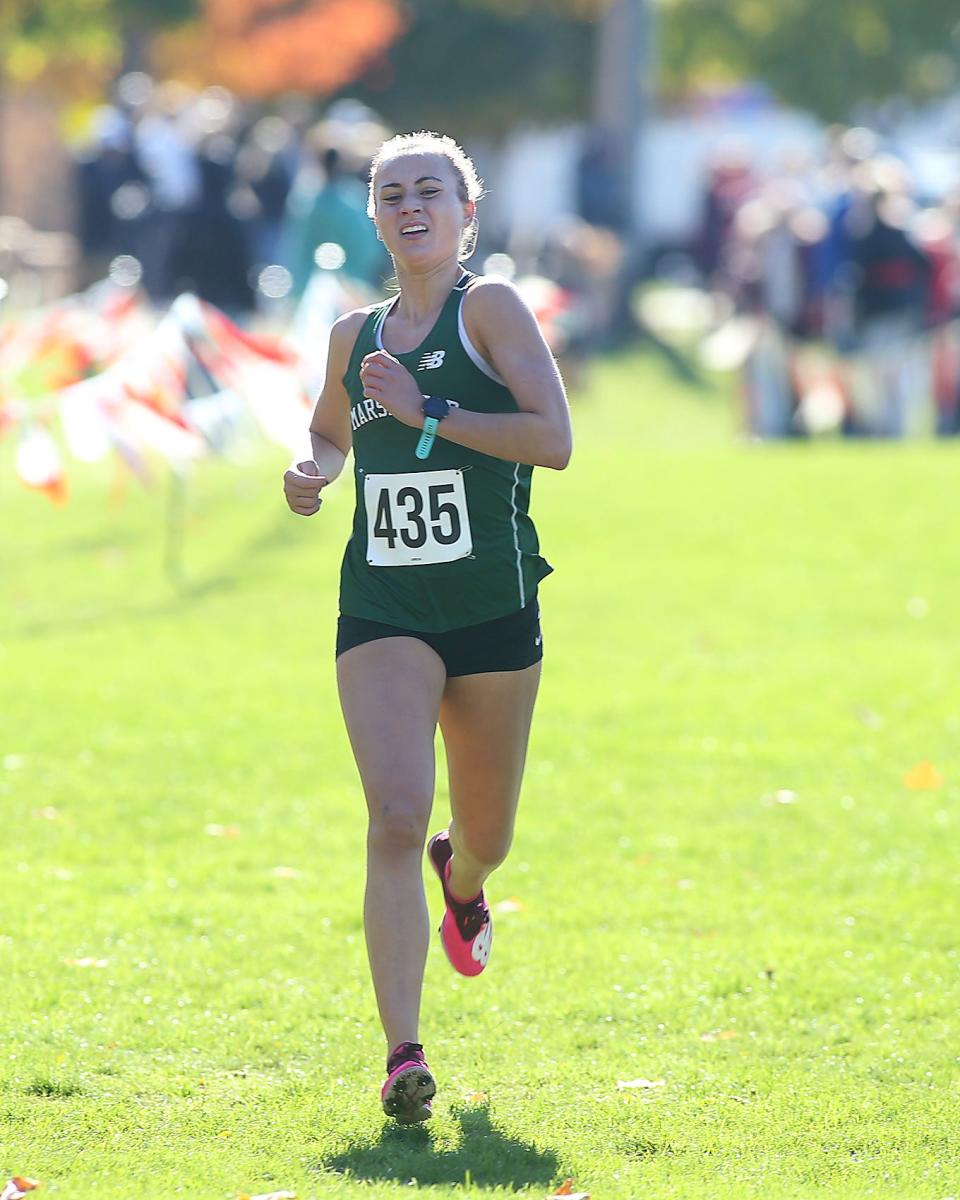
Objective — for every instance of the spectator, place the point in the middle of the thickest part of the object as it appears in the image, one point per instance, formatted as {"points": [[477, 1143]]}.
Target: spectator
{"points": [[332, 209], [111, 195], [891, 279], [263, 163], [175, 184], [212, 257], [937, 235], [600, 191], [730, 186]]}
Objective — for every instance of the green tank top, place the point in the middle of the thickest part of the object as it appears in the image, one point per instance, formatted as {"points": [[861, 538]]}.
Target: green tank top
{"points": [[442, 542]]}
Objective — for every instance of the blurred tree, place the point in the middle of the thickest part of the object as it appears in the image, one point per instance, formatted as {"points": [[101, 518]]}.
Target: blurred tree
{"points": [[479, 66], [73, 47], [827, 58], [259, 46], [488, 59], [476, 64], [265, 47]]}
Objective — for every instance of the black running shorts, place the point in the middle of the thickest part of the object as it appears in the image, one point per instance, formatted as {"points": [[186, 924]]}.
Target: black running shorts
{"points": [[508, 643]]}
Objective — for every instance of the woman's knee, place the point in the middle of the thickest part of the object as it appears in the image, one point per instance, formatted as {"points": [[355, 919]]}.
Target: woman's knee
{"points": [[397, 825], [486, 850]]}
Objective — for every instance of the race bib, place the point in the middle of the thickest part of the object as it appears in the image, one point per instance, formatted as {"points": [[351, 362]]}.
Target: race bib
{"points": [[416, 519]]}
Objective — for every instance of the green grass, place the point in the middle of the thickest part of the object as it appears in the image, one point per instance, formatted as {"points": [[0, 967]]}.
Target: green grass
{"points": [[727, 621]]}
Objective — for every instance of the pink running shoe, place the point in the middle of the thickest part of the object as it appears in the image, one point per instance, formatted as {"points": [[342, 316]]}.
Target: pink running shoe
{"points": [[466, 931], [410, 1088]]}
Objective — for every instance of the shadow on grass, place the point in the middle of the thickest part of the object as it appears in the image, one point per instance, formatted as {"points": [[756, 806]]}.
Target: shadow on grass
{"points": [[182, 590], [490, 1156]]}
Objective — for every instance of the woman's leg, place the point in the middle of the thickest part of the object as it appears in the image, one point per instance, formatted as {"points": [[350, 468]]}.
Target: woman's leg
{"points": [[390, 692], [485, 720]]}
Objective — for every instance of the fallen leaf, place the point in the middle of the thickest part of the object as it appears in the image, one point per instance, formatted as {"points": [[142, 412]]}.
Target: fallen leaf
{"points": [[285, 872], [47, 813], [86, 962], [719, 1035], [566, 1189], [17, 1187], [229, 831], [639, 1083], [476, 1097], [508, 906], [924, 777]]}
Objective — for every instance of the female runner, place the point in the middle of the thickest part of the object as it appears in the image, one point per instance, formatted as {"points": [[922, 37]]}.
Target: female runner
{"points": [[449, 396]]}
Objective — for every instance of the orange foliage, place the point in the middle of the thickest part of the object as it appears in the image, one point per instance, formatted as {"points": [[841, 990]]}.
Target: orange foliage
{"points": [[264, 47]]}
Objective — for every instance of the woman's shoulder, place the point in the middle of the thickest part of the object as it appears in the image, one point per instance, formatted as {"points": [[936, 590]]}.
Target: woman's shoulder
{"points": [[493, 296], [489, 287], [350, 323], [346, 329], [492, 304]]}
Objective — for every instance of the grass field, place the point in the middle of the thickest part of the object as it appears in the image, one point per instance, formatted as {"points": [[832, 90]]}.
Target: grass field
{"points": [[721, 884]]}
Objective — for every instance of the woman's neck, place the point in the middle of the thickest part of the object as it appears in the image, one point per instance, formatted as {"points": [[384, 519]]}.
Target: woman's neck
{"points": [[423, 292]]}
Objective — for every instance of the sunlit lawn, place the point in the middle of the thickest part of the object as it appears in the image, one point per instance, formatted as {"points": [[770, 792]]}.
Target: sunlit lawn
{"points": [[728, 965]]}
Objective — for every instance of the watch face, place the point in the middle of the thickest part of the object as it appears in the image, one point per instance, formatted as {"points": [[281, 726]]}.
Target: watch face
{"points": [[435, 406]]}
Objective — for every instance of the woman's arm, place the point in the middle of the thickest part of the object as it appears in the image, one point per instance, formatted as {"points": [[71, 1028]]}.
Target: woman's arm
{"points": [[507, 335], [329, 427]]}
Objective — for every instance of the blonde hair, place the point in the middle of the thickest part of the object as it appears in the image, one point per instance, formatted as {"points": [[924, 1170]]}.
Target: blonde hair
{"points": [[469, 183]]}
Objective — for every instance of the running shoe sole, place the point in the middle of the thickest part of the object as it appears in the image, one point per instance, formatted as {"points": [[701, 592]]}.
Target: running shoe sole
{"points": [[407, 1094]]}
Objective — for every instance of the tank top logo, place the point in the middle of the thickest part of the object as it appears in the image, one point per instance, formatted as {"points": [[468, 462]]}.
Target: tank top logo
{"points": [[431, 360], [366, 410]]}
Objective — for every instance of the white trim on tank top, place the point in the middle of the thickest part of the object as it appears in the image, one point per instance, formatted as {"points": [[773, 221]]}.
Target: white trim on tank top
{"points": [[471, 351], [516, 531], [378, 328]]}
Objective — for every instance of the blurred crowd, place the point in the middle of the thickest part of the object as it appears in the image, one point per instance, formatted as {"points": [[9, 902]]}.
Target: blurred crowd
{"points": [[847, 274], [853, 276], [204, 195], [180, 191]]}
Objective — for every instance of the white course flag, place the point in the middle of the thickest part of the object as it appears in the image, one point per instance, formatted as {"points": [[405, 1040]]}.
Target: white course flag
{"points": [[276, 398], [84, 420], [195, 384], [271, 387], [147, 429], [39, 463]]}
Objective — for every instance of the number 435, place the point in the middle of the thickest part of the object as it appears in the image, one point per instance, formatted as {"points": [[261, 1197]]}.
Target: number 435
{"points": [[409, 523]]}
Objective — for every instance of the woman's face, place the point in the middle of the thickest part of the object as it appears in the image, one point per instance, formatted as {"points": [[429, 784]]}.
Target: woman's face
{"points": [[419, 213]]}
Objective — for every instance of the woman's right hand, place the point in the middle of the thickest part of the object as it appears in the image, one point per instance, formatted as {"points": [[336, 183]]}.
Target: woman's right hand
{"points": [[302, 484]]}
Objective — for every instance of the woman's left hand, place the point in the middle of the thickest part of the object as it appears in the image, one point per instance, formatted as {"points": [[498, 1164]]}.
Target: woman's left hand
{"points": [[388, 381]]}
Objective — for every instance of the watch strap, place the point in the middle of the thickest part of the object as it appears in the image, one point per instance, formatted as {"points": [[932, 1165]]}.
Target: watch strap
{"points": [[425, 445]]}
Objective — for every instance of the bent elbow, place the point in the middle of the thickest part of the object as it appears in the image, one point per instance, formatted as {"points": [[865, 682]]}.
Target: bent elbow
{"points": [[559, 459]]}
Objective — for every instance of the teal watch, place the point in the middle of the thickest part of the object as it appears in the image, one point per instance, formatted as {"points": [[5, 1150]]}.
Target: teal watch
{"points": [[434, 409]]}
